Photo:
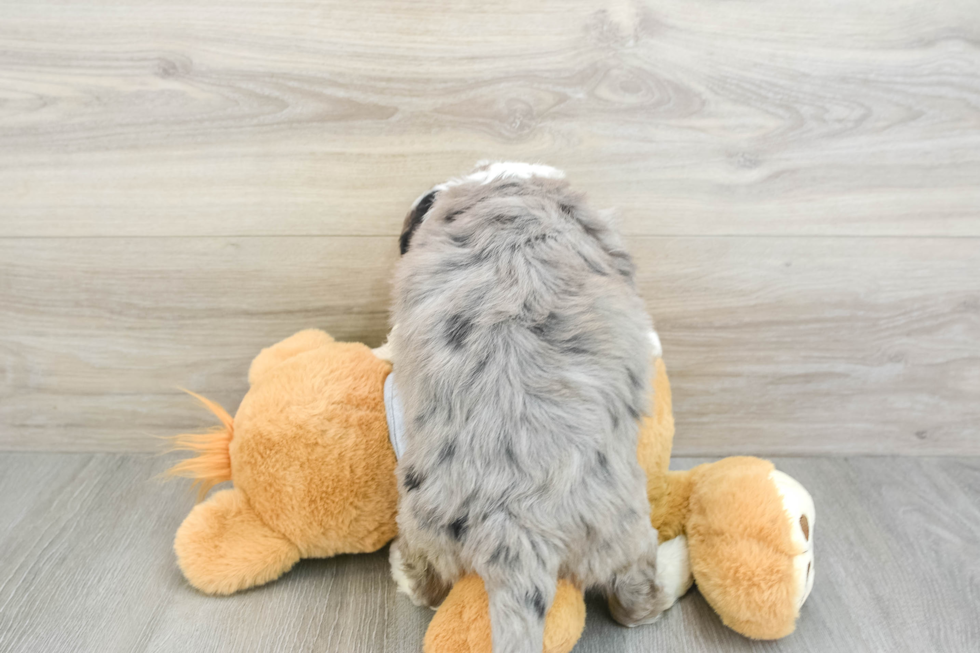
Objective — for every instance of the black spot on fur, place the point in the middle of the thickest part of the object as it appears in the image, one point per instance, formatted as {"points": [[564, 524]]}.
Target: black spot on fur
{"points": [[460, 240], [454, 264], [510, 455], [577, 345], [458, 527], [458, 327], [477, 371], [549, 330], [414, 219], [537, 553], [590, 231], [413, 479], [614, 416], [603, 462], [535, 601], [537, 239], [454, 214], [634, 379], [502, 556], [634, 413], [447, 452], [623, 263], [421, 419], [566, 209], [546, 327], [595, 267]]}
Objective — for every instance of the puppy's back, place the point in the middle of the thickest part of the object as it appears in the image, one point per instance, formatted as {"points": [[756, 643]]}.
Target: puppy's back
{"points": [[523, 360]]}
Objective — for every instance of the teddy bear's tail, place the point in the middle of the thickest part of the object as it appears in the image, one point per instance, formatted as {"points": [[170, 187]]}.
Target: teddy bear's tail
{"points": [[212, 464]]}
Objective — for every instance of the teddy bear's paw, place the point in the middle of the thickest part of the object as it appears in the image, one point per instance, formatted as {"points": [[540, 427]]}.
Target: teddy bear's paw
{"points": [[799, 508], [674, 567]]}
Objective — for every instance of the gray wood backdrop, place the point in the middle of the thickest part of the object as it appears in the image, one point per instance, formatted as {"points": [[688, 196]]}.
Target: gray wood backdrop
{"points": [[183, 183]]}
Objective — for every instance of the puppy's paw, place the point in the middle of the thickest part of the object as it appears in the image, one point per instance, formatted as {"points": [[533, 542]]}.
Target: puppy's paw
{"points": [[416, 579], [674, 567]]}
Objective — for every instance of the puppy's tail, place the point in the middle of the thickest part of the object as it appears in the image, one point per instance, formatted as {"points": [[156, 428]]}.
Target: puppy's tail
{"points": [[521, 589], [212, 464]]}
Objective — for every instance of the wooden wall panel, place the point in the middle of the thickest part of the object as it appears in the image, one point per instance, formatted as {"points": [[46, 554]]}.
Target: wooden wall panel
{"points": [[182, 183], [692, 116], [775, 345]]}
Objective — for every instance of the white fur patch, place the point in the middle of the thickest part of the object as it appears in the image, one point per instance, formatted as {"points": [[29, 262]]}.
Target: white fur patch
{"points": [[405, 585], [498, 170], [504, 169], [796, 502], [385, 352], [658, 350], [398, 573], [674, 567]]}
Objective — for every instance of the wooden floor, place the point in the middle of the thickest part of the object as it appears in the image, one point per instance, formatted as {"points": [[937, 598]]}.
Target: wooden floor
{"points": [[185, 182], [86, 565]]}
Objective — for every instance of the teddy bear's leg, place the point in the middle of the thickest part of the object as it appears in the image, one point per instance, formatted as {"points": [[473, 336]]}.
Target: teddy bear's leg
{"points": [[462, 623], [223, 546]]}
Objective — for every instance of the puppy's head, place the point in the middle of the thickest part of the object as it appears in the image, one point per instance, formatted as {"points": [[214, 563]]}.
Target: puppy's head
{"points": [[484, 173]]}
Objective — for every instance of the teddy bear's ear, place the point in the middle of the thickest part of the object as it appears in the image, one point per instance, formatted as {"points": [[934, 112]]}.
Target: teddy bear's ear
{"points": [[223, 547], [295, 344]]}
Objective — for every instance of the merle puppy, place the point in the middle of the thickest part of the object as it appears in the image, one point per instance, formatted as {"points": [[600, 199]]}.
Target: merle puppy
{"points": [[523, 360]]}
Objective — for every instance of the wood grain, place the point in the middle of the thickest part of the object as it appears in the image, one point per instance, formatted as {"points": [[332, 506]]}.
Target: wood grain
{"points": [[693, 117], [86, 564], [183, 183], [774, 345]]}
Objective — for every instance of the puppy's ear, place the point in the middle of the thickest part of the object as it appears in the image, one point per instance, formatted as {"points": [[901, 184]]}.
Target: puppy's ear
{"points": [[414, 219]]}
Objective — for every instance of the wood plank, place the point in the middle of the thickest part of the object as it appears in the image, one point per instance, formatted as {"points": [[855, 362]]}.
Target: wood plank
{"points": [[289, 118], [775, 345], [86, 564], [96, 335]]}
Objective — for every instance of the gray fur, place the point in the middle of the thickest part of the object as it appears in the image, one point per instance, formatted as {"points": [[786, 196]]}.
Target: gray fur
{"points": [[523, 358]]}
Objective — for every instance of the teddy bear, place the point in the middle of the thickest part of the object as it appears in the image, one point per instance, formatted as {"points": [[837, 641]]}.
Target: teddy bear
{"points": [[312, 450]]}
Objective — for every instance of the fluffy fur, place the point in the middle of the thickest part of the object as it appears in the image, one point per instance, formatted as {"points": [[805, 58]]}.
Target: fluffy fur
{"points": [[461, 624], [753, 571], [523, 358], [212, 464], [313, 469]]}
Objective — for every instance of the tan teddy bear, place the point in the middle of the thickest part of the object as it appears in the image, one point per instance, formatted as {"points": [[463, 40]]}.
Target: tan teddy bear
{"points": [[313, 469]]}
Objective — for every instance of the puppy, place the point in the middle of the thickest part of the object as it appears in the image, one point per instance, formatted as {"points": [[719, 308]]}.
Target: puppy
{"points": [[523, 361]]}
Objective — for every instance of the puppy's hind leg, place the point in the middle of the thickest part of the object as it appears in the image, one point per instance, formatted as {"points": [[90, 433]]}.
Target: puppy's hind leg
{"points": [[635, 596], [416, 576]]}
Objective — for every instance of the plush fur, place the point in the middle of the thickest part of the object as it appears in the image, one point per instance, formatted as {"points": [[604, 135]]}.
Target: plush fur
{"points": [[739, 537], [745, 539], [523, 359], [746, 562], [296, 449], [462, 625]]}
